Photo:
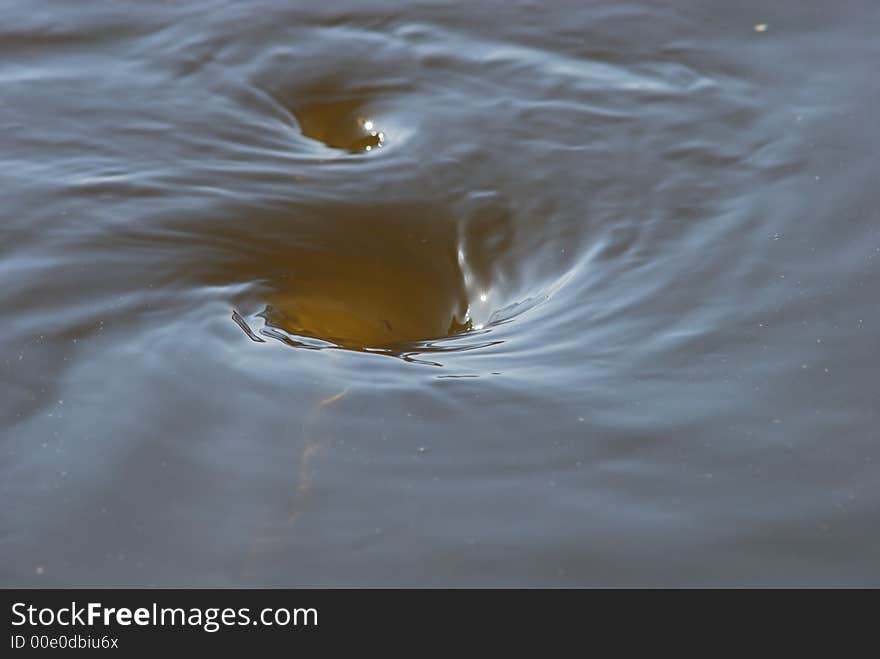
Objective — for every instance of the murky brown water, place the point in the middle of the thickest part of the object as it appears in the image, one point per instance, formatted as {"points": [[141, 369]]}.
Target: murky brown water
{"points": [[498, 293]]}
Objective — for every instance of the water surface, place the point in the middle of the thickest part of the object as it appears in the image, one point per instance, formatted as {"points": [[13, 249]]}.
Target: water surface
{"points": [[497, 293]]}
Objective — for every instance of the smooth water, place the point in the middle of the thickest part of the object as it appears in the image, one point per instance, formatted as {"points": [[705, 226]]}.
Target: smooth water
{"points": [[496, 293]]}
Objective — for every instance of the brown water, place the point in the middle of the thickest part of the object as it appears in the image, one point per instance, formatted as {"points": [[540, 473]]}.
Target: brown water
{"points": [[497, 293]]}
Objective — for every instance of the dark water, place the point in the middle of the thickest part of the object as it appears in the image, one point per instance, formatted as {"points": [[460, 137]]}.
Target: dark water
{"points": [[508, 293]]}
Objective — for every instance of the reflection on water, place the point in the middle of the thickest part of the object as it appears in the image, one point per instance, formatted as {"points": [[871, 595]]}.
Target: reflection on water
{"points": [[341, 125], [626, 257]]}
